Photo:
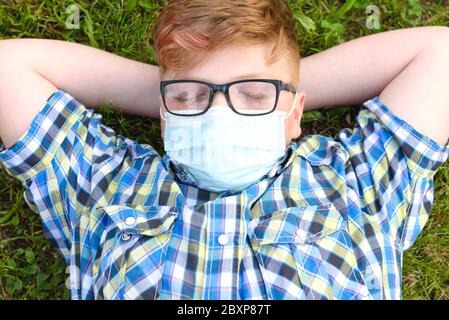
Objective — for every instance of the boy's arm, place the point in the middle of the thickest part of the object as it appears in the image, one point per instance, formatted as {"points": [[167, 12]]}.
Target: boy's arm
{"points": [[32, 69], [407, 68]]}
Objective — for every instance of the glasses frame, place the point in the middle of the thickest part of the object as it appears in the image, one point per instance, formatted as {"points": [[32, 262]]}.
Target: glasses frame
{"points": [[214, 88]]}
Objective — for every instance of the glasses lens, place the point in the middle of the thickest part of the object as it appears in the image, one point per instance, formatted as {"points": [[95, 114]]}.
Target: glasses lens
{"points": [[186, 97], [253, 97]]}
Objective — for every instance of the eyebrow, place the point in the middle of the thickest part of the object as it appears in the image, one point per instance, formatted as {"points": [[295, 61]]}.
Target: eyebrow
{"points": [[252, 76], [262, 75]]}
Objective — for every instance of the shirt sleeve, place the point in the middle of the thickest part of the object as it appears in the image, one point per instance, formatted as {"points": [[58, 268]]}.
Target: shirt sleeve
{"points": [[56, 160], [394, 165]]}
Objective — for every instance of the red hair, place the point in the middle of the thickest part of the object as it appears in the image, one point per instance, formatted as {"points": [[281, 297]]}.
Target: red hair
{"points": [[186, 30]]}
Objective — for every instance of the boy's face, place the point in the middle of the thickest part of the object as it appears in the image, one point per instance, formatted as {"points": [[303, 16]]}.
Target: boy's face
{"points": [[238, 62]]}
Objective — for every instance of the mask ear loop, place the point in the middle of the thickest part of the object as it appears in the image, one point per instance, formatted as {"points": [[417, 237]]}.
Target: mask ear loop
{"points": [[160, 113], [293, 107]]}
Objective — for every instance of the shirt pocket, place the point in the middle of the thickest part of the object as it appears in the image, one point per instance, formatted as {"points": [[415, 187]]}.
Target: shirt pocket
{"points": [[306, 253], [129, 263]]}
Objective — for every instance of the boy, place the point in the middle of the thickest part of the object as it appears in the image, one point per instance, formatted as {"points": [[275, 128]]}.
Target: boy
{"points": [[236, 208]]}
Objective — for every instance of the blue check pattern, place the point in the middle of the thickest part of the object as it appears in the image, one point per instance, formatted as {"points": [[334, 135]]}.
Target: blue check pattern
{"points": [[330, 221]]}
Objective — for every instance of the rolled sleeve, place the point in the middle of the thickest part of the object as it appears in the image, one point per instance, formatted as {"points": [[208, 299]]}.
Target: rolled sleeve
{"points": [[38, 146], [394, 165], [53, 160], [424, 155]]}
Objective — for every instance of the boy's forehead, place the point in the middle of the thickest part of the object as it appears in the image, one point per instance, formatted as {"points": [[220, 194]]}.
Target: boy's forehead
{"points": [[229, 63]]}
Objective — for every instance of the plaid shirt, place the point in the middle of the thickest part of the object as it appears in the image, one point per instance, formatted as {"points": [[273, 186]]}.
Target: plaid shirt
{"points": [[330, 221]]}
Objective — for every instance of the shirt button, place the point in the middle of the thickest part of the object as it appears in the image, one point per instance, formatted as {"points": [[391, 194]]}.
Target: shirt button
{"points": [[182, 174], [335, 149], [370, 280], [125, 236], [223, 239], [299, 233], [130, 221]]}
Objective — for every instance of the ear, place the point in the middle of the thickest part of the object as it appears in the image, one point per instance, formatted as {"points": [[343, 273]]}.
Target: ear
{"points": [[297, 113]]}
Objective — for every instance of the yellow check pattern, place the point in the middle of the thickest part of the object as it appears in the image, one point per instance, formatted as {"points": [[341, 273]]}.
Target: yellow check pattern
{"points": [[330, 221]]}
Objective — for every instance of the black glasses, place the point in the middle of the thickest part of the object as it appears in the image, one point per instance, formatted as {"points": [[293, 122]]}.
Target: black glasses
{"points": [[251, 97]]}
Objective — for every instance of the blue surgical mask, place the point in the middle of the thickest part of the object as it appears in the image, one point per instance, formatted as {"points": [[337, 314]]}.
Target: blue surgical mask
{"points": [[225, 151]]}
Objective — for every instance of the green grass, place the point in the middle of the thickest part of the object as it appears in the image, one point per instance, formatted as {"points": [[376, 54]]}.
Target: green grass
{"points": [[30, 268]]}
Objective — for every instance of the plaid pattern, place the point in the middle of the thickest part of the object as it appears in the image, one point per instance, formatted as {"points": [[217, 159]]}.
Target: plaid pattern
{"points": [[330, 221]]}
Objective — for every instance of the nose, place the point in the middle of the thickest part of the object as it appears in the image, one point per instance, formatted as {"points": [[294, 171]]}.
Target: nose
{"points": [[219, 99]]}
